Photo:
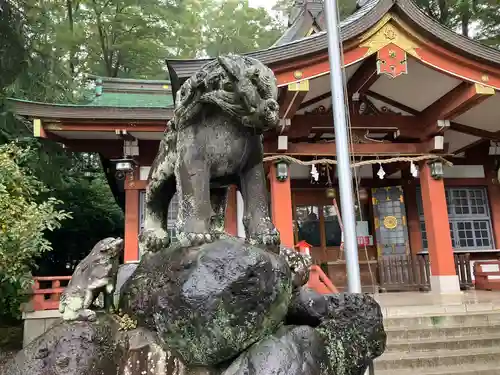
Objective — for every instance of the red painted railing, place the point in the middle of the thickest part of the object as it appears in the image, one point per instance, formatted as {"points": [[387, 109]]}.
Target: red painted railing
{"points": [[317, 278], [487, 275], [319, 281], [47, 291]]}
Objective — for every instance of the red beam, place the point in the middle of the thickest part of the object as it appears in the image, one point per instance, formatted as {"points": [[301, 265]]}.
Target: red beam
{"points": [[292, 98], [109, 147], [384, 120], [364, 77], [469, 130], [392, 102], [92, 127], [329, 149], [453, 104], [311, 67]]}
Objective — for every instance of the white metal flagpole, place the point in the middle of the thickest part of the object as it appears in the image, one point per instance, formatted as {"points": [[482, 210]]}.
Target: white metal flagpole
{"points": [[342, 147]]}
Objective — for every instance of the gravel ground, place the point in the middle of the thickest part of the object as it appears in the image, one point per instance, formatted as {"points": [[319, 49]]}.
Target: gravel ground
{"points": [[5, 355], [10, 343]]}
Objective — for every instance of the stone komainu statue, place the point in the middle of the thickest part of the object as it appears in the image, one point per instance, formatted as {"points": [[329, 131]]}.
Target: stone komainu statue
{"points": [[214, 140]]}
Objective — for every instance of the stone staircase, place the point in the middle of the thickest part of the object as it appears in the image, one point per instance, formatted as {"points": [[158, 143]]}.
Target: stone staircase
{"points": [[464, 343]]}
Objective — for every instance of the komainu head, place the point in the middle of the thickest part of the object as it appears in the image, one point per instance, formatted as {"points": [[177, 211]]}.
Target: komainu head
{"points": [[240, 86]]}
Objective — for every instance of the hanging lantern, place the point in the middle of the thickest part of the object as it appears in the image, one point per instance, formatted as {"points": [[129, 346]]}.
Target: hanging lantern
{"points": [[281, 171], [437, 170]]}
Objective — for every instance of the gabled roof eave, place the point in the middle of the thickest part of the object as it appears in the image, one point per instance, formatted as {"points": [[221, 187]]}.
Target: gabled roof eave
{"points": [[356, 24], [360, 21]]}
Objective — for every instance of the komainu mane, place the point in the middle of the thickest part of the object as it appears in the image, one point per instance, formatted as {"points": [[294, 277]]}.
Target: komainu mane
{"points": [[214, 140]]}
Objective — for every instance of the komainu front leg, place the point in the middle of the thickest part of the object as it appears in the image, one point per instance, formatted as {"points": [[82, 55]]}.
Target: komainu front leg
{"points": [[195, 210], [154, 236], [257, 221]]}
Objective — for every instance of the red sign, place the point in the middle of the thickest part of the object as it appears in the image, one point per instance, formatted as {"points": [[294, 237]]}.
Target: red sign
{"points": [[364, 240], [391, 60]]}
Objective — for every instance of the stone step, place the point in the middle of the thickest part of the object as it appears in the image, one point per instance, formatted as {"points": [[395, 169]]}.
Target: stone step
{"points": [[438, 308], [438, 358], [458, 343], [443, 320], [491, 369], [416, 332]]}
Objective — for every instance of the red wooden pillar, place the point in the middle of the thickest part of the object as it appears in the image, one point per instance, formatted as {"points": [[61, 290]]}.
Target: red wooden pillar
{"points": [[281, 207], [444, 278], [131, 247], [494, 201], [230, 220]]}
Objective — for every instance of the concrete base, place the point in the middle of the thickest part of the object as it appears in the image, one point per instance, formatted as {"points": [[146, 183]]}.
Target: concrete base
{"points": [[37, 323], [445, 284]]}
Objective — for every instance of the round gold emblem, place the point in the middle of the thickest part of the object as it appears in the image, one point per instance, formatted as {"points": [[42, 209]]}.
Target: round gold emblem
{"points": [[390, 222], [390, 33], [297, 74]]}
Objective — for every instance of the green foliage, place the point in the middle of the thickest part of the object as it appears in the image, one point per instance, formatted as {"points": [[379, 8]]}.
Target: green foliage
{"points": [[477, 19], [488, 32], [239, 28], [95, 215], [12, 48], [12, 295], [23, 219], [130, 38], [289, 9]]}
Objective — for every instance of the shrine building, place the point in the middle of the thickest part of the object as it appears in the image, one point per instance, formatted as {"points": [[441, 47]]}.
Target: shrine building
{"points": [[425, 132]]}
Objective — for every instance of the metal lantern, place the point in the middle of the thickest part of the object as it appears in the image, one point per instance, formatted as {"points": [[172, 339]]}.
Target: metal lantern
{"points": [[437, 170], [124, 164], [281, 171]]}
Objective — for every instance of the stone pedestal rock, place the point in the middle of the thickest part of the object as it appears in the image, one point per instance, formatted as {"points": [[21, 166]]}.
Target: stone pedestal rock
{"points": [[210, 303]]}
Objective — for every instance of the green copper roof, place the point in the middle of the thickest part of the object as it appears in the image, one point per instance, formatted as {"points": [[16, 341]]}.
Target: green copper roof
{"points": [[132, 100], [124, 93]]}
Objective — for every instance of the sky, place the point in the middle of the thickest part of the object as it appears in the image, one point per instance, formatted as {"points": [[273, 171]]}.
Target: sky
{"points": [[268, 4]]}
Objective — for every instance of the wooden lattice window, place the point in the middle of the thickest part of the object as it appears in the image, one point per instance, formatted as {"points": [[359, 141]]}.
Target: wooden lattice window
{"points": [[469, 217]]}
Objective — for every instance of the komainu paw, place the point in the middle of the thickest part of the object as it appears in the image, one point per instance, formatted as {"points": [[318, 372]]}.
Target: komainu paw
{"points": [[152, 242]]}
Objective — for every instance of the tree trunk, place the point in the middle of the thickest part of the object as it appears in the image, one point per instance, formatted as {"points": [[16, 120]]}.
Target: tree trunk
{"points": [[69, 8], [466, 15]]}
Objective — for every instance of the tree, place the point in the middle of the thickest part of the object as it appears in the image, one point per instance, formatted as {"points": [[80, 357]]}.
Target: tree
{"points": [[477, 19], [23, 220], [12, 47], [289, 8], [488, 31], [234, 26]]}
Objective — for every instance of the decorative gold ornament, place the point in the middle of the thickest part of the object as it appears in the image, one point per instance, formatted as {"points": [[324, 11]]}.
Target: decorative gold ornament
{"points": [[390, 222], [298, 74], [390, 33], [485, 78]]}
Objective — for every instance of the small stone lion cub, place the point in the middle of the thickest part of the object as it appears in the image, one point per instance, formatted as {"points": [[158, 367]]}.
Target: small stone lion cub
{"points": [[93, 275]]}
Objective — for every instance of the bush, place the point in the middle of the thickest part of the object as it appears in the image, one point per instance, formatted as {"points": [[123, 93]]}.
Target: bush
{"points": [[24, 218], [12, 296]]}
